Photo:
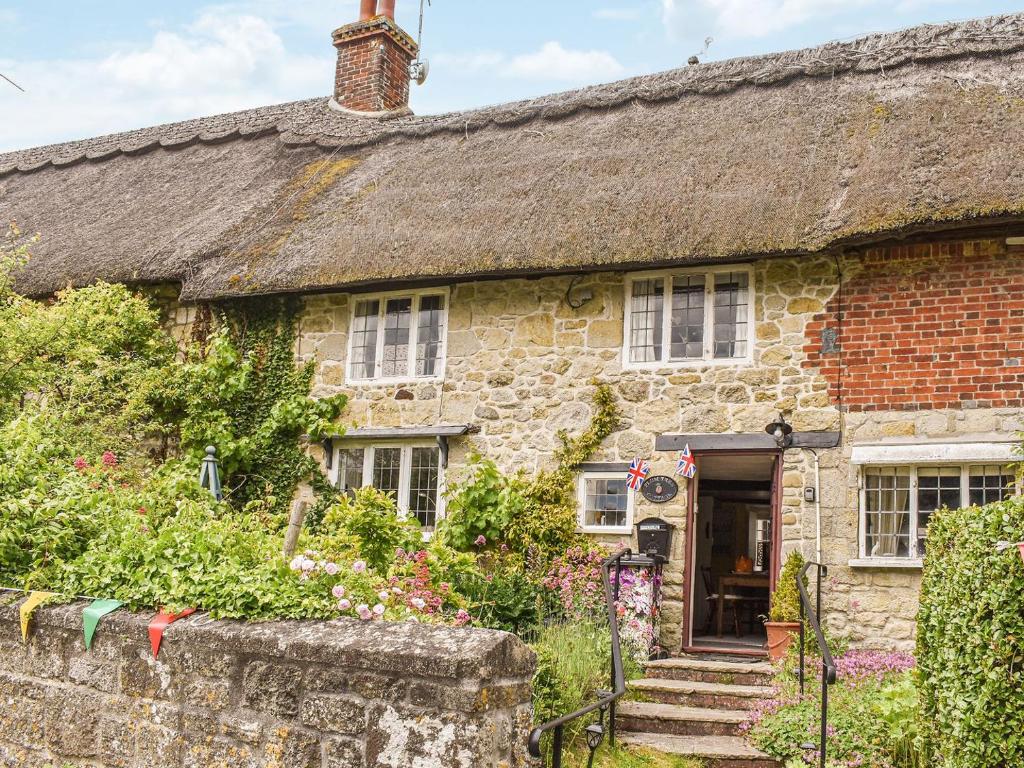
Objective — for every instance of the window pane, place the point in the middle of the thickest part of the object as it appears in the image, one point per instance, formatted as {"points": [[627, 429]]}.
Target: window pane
{"points": [[395, 361], [364, 339], [350, 469], [937, 487], [646, 316], [687, 316], [730, 314], [430, 329], [387, 469], [990, 483], [887, 512], [606, 501], [423, 485]]}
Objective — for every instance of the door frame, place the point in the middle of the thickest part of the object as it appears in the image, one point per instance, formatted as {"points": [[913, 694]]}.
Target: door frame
{"points": [[692, 489]]}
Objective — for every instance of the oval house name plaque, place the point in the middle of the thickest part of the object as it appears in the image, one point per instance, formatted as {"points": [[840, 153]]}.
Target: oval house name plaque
{"points": [[659, 489]]}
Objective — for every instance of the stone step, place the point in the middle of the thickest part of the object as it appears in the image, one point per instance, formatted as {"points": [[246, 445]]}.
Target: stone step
{"points": [[711, 671], [711, 751], [652, 717], [690, 693]]}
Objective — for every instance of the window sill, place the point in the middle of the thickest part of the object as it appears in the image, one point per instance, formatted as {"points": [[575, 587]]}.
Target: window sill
{"points": [[609, 530], [394, 382], [888, 563], [672, 365]]}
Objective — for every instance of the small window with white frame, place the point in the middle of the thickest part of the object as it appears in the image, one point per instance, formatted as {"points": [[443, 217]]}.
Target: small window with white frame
{"points": [[675, 317], [897, 502], [605, 503], [411, 473], [398, 337]]}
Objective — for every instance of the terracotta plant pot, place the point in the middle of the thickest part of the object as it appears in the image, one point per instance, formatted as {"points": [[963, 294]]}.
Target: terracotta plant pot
{"points": [[780, 637]]}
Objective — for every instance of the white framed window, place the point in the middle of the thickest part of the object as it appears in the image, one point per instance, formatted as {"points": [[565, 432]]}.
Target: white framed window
{"points": [[688, 316], [398, 336], [411, 472], [605, 503], [897, 502]]}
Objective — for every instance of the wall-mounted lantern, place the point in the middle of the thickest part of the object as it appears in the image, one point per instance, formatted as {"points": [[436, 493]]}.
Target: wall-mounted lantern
{"points": [[781, 431]]}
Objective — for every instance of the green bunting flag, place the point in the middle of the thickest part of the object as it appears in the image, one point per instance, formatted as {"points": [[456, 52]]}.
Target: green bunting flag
{"points": [[91, 617]]}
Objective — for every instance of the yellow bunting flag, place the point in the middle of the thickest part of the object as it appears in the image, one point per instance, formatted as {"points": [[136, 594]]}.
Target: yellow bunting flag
{"points": [[34, 600]]}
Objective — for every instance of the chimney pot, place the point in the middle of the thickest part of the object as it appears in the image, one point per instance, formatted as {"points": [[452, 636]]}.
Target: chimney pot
{"points": [[374, 55]]}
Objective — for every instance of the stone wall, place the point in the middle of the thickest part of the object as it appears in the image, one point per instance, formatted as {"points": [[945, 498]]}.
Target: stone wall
{"points": [[520, 367], [342, 694], [521, 361]]}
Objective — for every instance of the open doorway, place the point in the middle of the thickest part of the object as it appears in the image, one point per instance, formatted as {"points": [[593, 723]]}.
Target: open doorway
{"points": [[731, 546]]}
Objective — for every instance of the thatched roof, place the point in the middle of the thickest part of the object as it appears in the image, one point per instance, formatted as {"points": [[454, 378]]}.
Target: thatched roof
{"points": [[787, 153]]}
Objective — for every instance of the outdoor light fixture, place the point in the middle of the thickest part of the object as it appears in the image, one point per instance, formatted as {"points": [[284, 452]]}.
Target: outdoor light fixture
{"points": [[781, 431], [595, 735]]}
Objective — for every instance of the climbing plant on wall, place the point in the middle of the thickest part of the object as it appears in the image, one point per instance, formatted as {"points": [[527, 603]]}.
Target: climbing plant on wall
{"points": [[242, 392]]}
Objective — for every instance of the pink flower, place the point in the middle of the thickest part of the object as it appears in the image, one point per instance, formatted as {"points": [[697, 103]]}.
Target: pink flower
{"points": [[359, 566], [344, 605], [383, 595], [307, 565], [81, 463], [462, 617], [296, 563], [418, 603], [363, 610], [378, 610], [332, 569], [481, 540], [109, 459], [338, 591]]}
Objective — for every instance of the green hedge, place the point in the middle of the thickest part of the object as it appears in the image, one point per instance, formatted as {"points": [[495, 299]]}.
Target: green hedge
{"points": [[970, 646]]}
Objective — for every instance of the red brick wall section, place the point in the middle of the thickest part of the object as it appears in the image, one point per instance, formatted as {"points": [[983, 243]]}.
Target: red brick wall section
{"points": [[936, 325]]}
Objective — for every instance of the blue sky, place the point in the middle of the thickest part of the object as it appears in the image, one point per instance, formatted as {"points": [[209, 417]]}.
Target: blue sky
{"points": [[97, 66]]}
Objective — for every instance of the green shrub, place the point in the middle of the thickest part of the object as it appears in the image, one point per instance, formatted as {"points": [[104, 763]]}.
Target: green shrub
{"points": [[969, 637], [371, 519], [483, 505], [785, 601], [505, 598]]}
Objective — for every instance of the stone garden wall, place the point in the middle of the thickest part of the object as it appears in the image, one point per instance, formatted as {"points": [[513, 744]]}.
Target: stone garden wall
{"points": [[342, 694]]}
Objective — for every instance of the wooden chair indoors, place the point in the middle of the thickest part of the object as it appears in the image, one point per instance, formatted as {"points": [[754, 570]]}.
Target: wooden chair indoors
{"points": [[732, 602]]}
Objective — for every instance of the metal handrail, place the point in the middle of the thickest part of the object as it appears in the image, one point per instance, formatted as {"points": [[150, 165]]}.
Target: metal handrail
{"points": [[606, 699], [810, 615]]}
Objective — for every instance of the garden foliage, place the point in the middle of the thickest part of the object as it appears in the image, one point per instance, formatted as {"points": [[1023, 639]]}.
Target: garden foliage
{"points": [[970, 642], [872, 719]]}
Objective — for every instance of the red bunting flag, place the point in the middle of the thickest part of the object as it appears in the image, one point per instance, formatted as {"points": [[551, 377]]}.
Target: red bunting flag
{"points": [[160, 623]]}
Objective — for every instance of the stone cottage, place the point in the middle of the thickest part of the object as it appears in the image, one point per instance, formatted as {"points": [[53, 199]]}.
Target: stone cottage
{"points": [[835, 235]]}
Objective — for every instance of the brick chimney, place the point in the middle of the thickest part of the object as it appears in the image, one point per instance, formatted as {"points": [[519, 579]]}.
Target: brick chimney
{"points": [[374, 55]]}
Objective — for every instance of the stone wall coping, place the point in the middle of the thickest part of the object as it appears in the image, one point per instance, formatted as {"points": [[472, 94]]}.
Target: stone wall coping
{"points": [[405, 648]]}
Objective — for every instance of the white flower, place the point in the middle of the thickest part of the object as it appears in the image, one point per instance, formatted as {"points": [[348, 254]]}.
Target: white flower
{"points": [[384, 595], [418, 603], [379, 609], [296, 563]]}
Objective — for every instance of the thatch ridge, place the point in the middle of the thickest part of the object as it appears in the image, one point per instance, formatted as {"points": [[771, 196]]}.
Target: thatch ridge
{"points": [[312, 122]]}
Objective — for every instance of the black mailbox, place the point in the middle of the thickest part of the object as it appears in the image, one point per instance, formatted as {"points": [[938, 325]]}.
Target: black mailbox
{"points": [[654, 538]]}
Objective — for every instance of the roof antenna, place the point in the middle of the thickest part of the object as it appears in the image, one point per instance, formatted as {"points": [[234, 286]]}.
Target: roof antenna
{"points": [[5, 77], [695, 59], [420, 68]]}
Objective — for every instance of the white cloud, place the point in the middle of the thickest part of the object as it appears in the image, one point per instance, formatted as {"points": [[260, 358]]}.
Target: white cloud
{"points": [[553, 62], [220, 62], [617, 14]]}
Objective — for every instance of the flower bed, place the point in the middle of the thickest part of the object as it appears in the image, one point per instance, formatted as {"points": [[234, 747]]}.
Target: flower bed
{"points": [[872, 720]]}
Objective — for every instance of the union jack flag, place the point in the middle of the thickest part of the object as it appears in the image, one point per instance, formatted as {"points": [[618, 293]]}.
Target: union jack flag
{"points": [[637, 473], [687, 465]]}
